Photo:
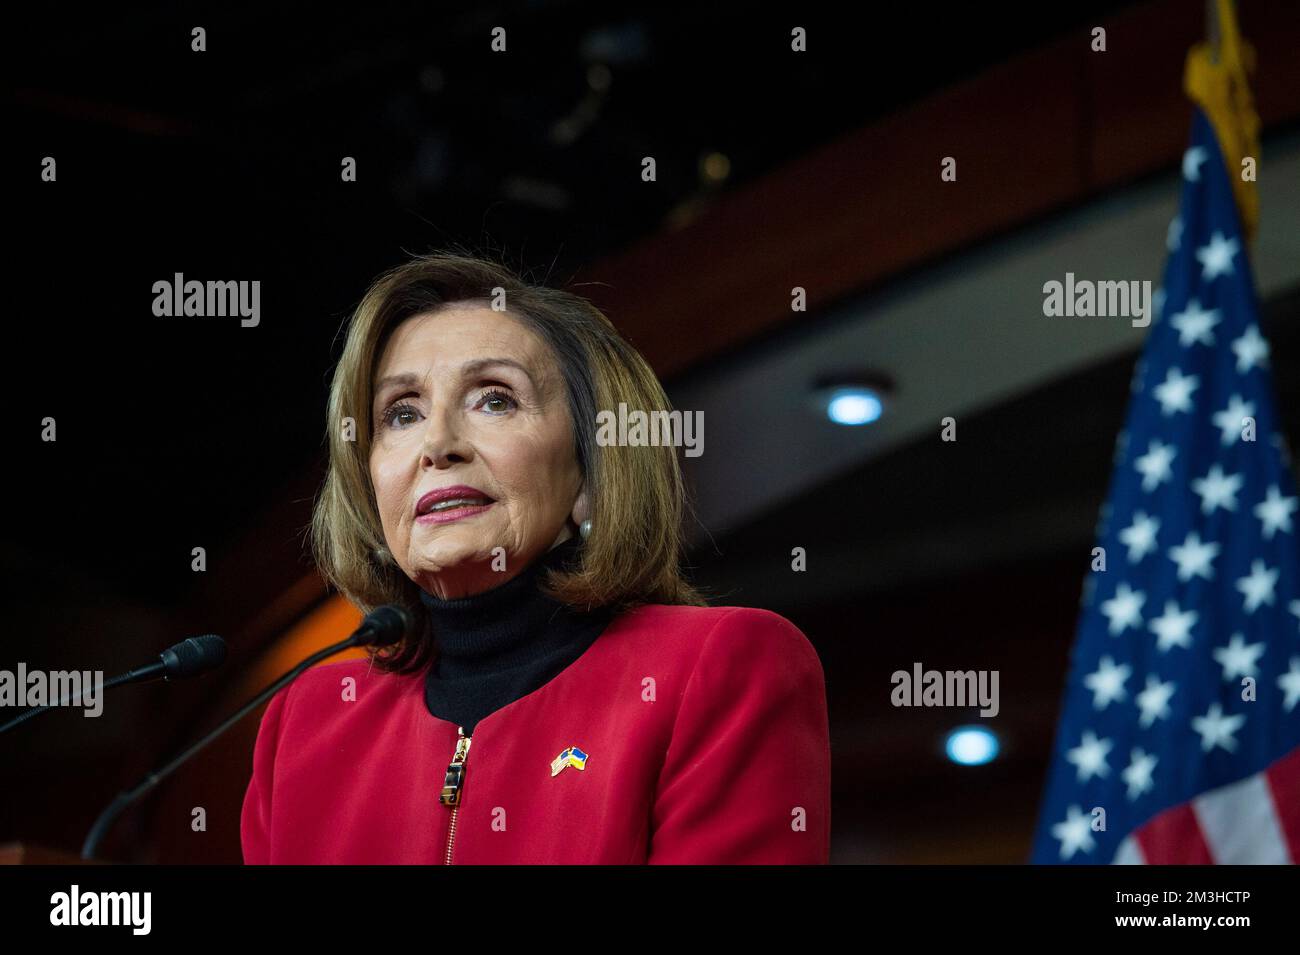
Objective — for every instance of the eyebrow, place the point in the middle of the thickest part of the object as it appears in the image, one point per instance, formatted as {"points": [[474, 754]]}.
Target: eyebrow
{"points": [[467, 370]]}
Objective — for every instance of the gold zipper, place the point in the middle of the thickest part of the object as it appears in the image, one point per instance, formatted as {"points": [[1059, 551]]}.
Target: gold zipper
{"points": [[452, 785]]}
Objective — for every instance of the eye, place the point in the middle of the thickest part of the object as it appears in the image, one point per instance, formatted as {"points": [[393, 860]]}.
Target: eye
{"points": [[400, 410], [499, 399]]}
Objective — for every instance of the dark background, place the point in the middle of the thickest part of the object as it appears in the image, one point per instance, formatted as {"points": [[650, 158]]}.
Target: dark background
{"points": [[175, 433]]}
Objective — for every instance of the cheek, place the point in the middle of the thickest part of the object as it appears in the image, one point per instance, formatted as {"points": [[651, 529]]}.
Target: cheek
{"points": [[559, 479], [389, 486], [533, 470]]}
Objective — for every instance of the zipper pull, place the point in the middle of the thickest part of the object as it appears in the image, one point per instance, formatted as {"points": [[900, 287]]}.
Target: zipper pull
{"points": [[451, 785]]}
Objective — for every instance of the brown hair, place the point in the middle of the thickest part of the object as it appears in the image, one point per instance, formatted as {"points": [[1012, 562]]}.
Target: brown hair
{"points": [[636, 494]]}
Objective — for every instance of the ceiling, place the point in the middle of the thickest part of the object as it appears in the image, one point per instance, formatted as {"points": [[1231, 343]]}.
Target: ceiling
{"points": [[1037, 401]]}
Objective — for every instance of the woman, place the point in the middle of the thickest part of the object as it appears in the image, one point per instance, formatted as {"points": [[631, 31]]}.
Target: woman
{"points": [[568, 697]]}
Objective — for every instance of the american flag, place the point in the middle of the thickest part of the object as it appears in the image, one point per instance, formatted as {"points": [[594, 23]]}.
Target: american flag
{"points": [[1179, 736]]}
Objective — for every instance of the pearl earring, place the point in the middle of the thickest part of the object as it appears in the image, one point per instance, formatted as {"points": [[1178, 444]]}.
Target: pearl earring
{"points": [[585, 528]]}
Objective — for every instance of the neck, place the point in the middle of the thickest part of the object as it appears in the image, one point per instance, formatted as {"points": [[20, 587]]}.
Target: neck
{"points": [[493, 647], [496, 620]]}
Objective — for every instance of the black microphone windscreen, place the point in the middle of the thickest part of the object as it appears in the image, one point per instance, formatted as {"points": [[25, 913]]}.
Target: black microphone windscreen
{"points": [[386, 625], [194, 656]]}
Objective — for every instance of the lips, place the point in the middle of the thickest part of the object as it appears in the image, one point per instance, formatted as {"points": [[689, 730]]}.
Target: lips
{"points": [[450, 499]]}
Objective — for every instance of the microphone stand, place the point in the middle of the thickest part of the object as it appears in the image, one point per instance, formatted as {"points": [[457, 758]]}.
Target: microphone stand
{"points": [[188, 658], [124, 799], [28, 713]]}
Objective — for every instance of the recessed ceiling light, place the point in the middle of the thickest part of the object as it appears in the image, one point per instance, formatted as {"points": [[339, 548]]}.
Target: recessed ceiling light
{"points": [[971, 746], [852, 399], [854, 406]]}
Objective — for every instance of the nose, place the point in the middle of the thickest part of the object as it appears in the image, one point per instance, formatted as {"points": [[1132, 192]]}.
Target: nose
{"points": [[443, 445]]}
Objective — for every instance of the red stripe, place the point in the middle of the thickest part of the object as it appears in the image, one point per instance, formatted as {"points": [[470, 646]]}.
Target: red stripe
{"points": [[1174, 838], [1283, 779]]}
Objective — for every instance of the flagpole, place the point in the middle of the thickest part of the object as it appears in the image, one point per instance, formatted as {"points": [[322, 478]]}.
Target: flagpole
{"points": [[1212, 28], [1216, 78]]}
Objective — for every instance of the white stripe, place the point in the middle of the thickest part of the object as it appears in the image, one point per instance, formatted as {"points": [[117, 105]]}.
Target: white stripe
{"points": [[1129, 853], [1240, 824]]}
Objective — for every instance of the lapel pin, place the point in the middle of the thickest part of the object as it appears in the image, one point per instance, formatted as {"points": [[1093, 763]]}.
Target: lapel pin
{"points": [[572, 756]]}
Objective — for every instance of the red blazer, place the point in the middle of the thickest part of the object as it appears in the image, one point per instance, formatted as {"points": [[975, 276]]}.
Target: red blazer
{"points": [[682, 735]]}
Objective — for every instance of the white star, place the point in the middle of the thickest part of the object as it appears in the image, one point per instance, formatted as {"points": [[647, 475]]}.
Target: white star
{"points": [[1290, 681], [1154, 465], [1194, 324], [1238, 658], [1192, 160], [1173, 628], [1232, 419], [1217, 489], [1090, 756], [1124, 609], [1217, 729], [1140, 536], [1174, 234], [1075, 833], [1138, 773], [1107, 683], [1216, 258], [1251, 350], [1258, 585], [1193, 557], [1154, 700], [1275, 512], [1175, 392]]}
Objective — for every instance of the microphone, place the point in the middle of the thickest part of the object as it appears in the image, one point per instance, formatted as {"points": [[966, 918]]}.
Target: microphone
{"points": [[186, 659], [382, 627], [191, 657]]}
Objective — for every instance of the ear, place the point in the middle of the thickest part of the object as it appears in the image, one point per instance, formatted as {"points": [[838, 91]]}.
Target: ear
{"points": [[581, 507]]}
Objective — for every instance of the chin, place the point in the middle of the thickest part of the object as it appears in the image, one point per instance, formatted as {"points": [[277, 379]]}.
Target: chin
{"points": [[449, 551]]}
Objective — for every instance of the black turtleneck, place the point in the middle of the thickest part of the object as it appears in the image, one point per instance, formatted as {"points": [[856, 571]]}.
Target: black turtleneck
{"points": [[502, 644]]}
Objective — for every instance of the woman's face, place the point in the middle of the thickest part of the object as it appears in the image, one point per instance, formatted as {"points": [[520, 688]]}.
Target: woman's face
{"points": [[470, 396]]}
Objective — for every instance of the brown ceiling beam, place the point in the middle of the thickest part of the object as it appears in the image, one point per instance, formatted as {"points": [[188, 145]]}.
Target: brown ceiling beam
{"points": [[1047, 130]]}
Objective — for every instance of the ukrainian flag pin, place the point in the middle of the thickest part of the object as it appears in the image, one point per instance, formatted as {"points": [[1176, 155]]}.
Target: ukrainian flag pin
{"points": [[572, 756]]}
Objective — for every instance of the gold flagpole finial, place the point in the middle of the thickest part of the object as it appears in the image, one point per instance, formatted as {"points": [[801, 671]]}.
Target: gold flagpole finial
{"points": [[1216, 79]]}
